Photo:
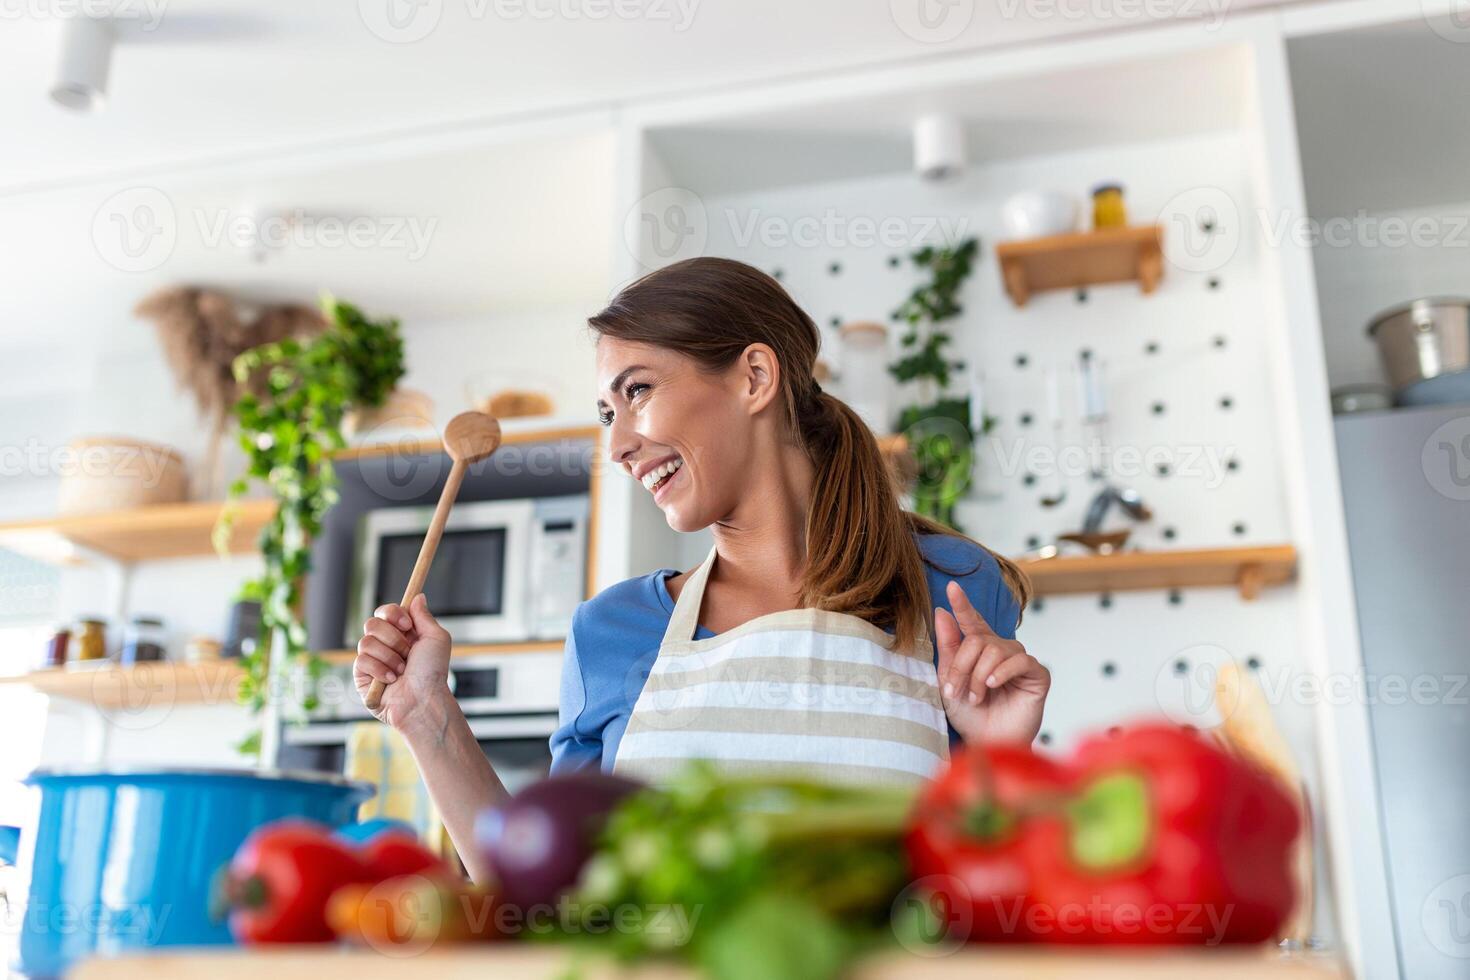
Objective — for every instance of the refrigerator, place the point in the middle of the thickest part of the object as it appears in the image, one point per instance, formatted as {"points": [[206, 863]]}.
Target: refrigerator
{"points": [[1406, 491]]}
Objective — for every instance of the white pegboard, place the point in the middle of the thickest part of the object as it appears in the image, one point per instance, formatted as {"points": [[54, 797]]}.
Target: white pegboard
{"points": [[1194, 349]]}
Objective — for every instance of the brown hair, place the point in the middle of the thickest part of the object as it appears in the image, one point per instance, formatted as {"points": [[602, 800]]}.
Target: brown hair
{"points": [[862, 558]]}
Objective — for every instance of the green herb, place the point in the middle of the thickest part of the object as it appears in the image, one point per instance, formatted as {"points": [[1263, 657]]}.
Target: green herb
{"points": [[750, 877], [296, 393], [937, 427]]}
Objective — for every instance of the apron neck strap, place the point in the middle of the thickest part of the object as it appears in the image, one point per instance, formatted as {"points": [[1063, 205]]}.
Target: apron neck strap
{"points": [[685, 619]]}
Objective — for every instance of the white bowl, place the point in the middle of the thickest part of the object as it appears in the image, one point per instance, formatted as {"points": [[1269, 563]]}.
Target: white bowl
{"points": [[1036, 214]]}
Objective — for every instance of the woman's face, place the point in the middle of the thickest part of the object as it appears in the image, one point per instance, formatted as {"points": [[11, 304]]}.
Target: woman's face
{"points": [[682, 432]]}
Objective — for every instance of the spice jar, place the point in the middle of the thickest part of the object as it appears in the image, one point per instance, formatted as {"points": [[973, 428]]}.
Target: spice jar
{"points": [[92, 641], [200, 649], [1107, 206], [143, 640], [56, 648]]}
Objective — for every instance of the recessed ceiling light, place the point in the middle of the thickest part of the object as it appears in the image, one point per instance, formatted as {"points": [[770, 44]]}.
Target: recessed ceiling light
{"points": [[86, 57]]}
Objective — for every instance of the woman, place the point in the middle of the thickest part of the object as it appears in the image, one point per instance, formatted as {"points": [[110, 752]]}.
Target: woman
{"points": [[802, 643]]}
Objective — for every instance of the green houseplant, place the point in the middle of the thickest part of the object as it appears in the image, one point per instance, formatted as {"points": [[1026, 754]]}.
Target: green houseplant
{"points": [[937, 424], [294, 395]]}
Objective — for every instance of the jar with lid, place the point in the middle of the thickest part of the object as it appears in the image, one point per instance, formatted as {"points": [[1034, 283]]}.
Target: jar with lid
{"points": [[56, 647], [1107, 206], [143, 640], [92, 640]]}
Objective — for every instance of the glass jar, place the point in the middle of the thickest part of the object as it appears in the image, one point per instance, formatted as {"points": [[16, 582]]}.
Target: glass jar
{"points": [[56, 648], [143, 640], [865, 378], [1108, 210], [92, 640]]}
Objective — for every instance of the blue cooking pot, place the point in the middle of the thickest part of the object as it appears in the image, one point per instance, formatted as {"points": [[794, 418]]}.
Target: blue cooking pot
{"points": [[120, 860]]}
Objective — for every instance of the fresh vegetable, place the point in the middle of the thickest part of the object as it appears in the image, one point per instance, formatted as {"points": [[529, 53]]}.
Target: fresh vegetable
{"points": [[1167, 839], [538, 841], [410, 913], [708, 866], [394, 853], [278, 882], [967, 844]]}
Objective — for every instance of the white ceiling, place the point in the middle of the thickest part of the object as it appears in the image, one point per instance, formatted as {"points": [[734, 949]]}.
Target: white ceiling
{"points": [[218, 79]]}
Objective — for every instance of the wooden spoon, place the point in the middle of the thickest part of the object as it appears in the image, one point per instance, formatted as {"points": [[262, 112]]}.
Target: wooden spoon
{"points": [[469, 437]]}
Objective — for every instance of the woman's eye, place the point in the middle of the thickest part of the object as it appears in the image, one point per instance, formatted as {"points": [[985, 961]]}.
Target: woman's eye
{"points": [[605, 417], [634, 390]]}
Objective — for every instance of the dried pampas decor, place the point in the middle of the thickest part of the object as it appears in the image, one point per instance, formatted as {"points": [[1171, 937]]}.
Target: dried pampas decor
{"points": [[201, 332]]}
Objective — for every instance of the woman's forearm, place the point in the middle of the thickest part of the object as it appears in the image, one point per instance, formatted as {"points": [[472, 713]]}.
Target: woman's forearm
{"points": [[459, 777]]}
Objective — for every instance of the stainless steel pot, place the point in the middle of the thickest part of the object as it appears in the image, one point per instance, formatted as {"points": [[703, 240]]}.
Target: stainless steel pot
{"points": [[1425, 348]]}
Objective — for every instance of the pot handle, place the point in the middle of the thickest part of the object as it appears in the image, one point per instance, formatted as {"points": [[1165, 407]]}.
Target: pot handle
{"points": [[9, 844]]}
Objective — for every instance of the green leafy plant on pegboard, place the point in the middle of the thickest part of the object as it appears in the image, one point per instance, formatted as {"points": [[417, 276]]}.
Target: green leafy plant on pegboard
{"points": [[938, 425], [290, 417]]}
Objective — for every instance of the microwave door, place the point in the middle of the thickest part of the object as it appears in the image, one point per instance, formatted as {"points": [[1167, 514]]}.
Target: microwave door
{"points": [[477, 584]]}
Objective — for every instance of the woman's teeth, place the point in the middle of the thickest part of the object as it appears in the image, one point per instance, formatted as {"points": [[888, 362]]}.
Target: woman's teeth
{"points": [[659, 474]]}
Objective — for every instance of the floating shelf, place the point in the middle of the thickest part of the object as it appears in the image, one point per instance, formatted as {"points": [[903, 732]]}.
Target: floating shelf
{"points": [[139, 687], [430, 446], [138, 534], [1087, 258], [1248, 569]]}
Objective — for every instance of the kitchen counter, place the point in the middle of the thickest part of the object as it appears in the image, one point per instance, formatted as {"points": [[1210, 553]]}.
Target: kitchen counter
{"points": [[471, 963]]}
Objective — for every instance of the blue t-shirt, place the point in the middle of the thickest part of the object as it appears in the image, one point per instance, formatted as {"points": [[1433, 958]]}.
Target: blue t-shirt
{"points": [[616, 634]]}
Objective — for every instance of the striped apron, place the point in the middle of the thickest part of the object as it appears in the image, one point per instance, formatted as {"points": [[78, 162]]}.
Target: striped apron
{"points": [[803, 693]]}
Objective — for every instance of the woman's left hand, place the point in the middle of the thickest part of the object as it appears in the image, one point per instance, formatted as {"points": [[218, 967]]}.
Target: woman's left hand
{"points": [[992, 689]]}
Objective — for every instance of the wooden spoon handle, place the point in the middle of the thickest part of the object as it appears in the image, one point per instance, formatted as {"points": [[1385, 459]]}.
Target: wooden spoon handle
{"points": [[374, 696]]}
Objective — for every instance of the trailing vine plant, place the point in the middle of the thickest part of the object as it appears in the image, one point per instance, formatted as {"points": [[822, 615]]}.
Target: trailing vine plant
{"points": [[938, 425], [295, 393]]}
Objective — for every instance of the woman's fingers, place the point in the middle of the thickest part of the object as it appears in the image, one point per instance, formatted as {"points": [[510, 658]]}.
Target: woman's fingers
{"points": [[374, 653], [993, 655], [382, 630], [392, 612], [969, 617], [1024, 668], [947, 637], [957, 680]]}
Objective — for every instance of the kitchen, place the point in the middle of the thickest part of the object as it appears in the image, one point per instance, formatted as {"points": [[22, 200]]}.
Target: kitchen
{"points": [[1207, 357]]}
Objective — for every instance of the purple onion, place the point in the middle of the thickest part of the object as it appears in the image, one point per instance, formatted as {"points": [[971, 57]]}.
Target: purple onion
{"points": [[539, 839]]}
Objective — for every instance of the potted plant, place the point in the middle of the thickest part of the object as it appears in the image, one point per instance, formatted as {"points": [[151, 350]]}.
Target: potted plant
{"points": [[295, 393], [937, 426]]}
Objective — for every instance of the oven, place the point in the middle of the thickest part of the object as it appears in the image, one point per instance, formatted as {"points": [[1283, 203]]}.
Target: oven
{"points": [[510, 701]]}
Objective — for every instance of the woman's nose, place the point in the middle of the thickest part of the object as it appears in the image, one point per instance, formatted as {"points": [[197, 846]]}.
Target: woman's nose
{"points": [[622, 442]]}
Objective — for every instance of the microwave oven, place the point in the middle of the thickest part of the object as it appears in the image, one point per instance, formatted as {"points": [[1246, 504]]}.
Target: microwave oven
{"points": [[506, 570]]}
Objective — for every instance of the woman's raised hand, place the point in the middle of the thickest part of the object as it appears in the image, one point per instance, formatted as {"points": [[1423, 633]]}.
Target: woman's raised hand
{"points": [[408, 651], [992, 689]]}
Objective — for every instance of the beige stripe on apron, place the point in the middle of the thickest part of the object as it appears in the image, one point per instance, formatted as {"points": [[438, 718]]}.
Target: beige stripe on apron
{"points": [[802, 693]]}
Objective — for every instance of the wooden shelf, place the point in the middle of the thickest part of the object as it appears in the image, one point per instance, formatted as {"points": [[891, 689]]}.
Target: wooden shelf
{"points": [[428, 447], [463, 650], [1247, 569], [1087, 258], [161, 684], [139, 534]]}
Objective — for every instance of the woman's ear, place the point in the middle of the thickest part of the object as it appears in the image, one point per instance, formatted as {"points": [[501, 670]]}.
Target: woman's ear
{"points": [[759, 376]]}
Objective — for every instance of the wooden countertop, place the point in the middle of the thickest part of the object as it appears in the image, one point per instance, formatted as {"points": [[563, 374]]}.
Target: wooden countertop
{"points": [[518, 960]]}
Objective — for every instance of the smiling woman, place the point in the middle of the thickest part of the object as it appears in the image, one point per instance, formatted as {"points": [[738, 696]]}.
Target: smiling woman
{"points": [[828, 634]]}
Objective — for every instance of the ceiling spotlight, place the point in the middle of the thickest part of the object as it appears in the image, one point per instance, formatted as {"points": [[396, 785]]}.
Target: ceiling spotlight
{"points": [[86, 56], [939, 146]]}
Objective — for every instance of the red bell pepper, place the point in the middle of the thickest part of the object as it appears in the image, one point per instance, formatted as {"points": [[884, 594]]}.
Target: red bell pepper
{"points": [[967, 842], [395, 852], [1168, 840], [278, 882]]}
